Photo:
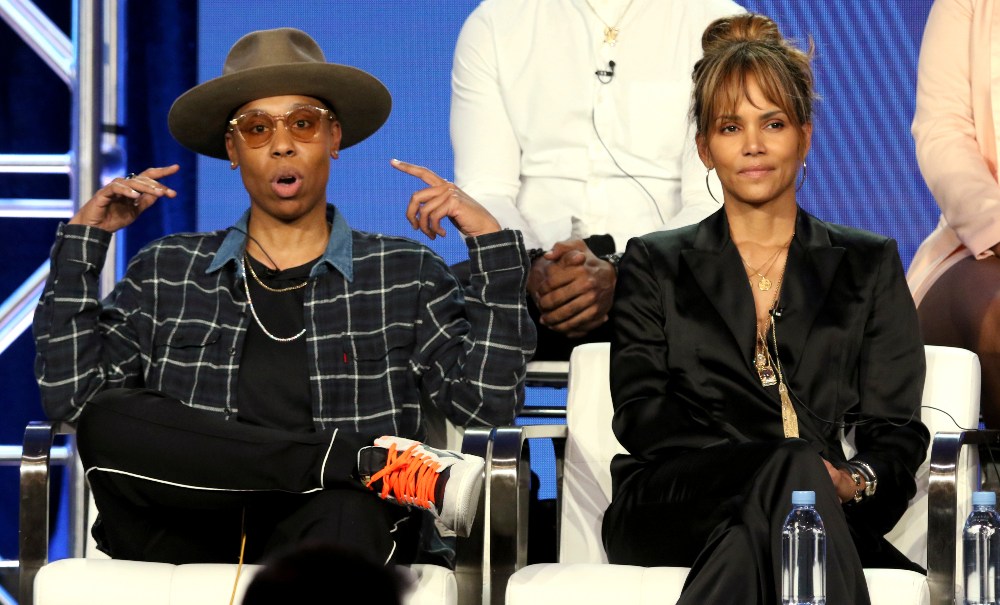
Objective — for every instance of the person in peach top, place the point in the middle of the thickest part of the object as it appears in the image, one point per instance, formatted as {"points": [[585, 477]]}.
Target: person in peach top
{"points": [[955, 275]]}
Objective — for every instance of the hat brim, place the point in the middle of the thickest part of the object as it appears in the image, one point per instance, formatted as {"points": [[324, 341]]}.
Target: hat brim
{"points": [[197, 119]]}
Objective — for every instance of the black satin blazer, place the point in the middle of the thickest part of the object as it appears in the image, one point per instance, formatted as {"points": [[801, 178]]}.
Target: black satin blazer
{"points": [[682, 373]]}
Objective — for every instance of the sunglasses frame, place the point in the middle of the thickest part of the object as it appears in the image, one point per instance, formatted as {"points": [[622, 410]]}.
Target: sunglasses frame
{"points": [[234, 123]]}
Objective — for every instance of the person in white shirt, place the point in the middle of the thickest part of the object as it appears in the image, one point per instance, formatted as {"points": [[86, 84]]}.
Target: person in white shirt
{"points": [[570, 121]]}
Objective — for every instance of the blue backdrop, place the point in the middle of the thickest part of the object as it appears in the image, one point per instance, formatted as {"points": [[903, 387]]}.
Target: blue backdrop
{"points": [[862, 170]]}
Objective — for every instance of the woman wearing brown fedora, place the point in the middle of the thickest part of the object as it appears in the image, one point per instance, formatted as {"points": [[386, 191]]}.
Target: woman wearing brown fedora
{"points": [[264, 384]]}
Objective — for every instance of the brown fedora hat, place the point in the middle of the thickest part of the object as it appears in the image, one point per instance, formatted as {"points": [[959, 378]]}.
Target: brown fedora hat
{"points": [[271, 63]]}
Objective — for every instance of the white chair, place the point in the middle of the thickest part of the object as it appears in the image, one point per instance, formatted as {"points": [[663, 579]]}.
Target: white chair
{"points": [[583, 575], [91, 578]]}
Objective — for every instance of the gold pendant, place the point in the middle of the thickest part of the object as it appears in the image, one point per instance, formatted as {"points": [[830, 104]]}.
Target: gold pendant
{"points": [[767, 377], [764, 283], [610, 35], [789, 419], [764, 369]]}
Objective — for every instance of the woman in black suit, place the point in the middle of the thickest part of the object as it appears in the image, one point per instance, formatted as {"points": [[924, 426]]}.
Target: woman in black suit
{"points": [[743, 345]]}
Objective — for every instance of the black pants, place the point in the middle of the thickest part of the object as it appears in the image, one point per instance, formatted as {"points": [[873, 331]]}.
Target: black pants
{"points": [[180, 485], [720, 510], [961, 310]]}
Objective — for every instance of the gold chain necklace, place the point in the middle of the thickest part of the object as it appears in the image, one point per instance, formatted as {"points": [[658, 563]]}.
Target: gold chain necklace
{"points": [[789, 419], [769, 369], [764, 283], [267, 287], [610, 31], [762, 354], [246, 286]]}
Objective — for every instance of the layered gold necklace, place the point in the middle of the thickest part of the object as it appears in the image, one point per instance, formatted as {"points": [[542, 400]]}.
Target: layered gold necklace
{"points": [[248, 267], [763, 282], [269, 288], [769, 368], [762, 354]]}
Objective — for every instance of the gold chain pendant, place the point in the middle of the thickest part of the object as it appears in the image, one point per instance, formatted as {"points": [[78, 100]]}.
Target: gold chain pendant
{"points": [[610, 35], [764, 283], [789, 419], [764, 369]]}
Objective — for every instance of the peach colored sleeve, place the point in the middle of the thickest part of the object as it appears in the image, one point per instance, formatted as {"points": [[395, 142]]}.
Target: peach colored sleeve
{"points": [[949, 142]]}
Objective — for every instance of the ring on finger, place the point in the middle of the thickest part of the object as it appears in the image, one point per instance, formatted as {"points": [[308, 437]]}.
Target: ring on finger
{"points": [[130, 176]]}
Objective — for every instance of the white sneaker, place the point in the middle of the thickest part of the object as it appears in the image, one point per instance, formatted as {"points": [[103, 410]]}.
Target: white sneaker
{"points": [[409, 472]]}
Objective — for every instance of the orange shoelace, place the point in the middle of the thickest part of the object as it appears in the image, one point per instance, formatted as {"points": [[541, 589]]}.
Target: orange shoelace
{"points": [[410, 476]]}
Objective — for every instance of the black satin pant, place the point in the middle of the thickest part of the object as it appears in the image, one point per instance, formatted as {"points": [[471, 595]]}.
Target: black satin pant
{"points": [[719, 511], [179, 485]]}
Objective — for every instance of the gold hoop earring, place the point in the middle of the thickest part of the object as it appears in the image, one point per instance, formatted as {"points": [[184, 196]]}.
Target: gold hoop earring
{"points": [[803, 181], [709, 187]]}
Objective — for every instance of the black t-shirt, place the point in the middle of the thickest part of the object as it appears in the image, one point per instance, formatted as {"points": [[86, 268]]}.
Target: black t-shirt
{"points": [[273, 383]]}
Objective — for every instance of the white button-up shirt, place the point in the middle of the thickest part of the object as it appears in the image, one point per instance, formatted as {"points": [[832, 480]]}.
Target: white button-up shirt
{"points": [[556, 151]]}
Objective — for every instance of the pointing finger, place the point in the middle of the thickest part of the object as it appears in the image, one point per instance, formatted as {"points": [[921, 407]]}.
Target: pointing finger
{"points": [[424, 174]]}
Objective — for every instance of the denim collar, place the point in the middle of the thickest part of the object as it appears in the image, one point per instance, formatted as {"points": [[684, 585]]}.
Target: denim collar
{"points": [[338, 254]]}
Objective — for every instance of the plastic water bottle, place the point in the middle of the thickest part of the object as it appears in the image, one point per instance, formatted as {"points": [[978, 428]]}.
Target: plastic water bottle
{"points": [[981, 550], [803, 553]]}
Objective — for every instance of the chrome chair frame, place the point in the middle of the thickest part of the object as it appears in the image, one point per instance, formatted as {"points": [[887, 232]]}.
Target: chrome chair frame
{"points": [[943, 523], [36, 463], [509, 480], [33, 523]]}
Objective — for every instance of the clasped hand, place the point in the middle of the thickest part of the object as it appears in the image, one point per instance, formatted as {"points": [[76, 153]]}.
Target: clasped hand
{"points": [[843, 482], [572, 288]]}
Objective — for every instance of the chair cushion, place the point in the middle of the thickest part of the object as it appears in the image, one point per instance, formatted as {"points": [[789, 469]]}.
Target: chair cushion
{"points": [[583, 583], [117, 582], [114, 582], [896, 586], [435, 585]]}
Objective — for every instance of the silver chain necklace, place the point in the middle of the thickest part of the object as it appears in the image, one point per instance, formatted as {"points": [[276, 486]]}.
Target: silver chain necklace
{"points": [[246, 287]]}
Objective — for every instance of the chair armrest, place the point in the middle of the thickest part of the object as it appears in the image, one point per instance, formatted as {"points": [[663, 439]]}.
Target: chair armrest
{"points": [[37, 456], [942, 508], [547, 374], [507, 491], [469, 552]]}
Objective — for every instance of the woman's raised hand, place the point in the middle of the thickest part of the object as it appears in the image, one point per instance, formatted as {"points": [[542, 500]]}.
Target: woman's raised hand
{"points": [[121, 201], [442, 199]]}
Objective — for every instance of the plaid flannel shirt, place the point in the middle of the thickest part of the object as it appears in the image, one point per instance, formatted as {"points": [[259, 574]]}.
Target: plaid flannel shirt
{"points": [[386, 325]]}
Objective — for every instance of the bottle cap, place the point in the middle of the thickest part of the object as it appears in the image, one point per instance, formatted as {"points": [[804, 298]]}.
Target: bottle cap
{"points": [[984, 499], [808, 498]]}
